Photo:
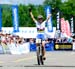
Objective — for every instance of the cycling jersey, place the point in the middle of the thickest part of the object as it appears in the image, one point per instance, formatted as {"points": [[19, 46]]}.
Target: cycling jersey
{"points": [[40, 30]]}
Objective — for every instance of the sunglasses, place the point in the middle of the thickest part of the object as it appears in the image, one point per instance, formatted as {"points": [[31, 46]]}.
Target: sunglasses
{"points": [[40, 19]]}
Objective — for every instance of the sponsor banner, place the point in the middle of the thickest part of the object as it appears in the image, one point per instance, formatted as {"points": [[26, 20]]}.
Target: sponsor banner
{"points": [[0, 19], [19, 49], [49, 46], [49, 23], [32, 46], [63, 46], [24, 48], [28, 32], [15, 18]]}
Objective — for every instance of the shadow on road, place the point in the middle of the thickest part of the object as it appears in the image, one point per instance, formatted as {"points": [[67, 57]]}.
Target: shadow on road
{"points": [[36, 65]]}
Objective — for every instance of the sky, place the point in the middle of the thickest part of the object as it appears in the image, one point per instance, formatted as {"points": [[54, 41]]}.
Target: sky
{"points": [[26, 2]]}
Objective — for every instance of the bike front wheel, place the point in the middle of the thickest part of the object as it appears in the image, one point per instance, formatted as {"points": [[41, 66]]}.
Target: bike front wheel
{"points": [[40, 57]]}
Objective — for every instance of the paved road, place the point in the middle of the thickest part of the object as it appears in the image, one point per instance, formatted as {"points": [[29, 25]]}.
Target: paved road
{"points": [[55, 60]]}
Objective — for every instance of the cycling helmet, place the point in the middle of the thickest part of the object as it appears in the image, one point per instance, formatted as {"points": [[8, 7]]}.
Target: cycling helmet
{"points": [[40, 16]]}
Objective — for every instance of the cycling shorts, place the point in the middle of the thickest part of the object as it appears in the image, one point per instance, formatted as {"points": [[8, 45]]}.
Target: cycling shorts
{"points": [[40, 37]]}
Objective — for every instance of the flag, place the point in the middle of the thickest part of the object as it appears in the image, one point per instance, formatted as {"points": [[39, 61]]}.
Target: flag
{"points": [[65, 27], [58, 20], [15, 18], [68, 31], [49, 23], [63, 30]]}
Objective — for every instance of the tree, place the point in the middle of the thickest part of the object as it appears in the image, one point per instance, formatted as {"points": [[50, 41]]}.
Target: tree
{"points": [[67, 8], [6, 16], [54, 5]]}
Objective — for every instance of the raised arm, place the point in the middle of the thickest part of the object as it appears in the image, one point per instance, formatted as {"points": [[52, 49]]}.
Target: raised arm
{"points": [[32, 16]]}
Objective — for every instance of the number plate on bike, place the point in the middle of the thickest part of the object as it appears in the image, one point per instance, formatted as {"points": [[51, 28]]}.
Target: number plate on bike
{"points": [[38, 40]]}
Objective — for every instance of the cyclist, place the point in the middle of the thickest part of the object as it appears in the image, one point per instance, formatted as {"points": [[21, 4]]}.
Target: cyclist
{"points": [[40, 25]]}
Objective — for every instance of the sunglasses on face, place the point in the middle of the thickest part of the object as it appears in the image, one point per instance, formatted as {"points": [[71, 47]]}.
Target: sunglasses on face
{"points": [[40, 19]]}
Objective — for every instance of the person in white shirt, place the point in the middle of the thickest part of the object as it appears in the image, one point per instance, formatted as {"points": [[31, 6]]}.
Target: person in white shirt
{"points": [[40, 25]]}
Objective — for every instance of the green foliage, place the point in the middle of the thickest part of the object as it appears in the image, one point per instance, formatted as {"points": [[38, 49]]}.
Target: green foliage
{"points": [[6, 16], [24, 15], [67, 8]]}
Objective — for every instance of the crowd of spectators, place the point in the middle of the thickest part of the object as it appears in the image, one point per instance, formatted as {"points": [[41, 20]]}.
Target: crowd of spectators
{"points": [[11, 39], [8, 39]]}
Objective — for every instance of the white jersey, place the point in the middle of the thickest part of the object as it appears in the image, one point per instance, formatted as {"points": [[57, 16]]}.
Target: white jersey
{"points": [[40, 27]]}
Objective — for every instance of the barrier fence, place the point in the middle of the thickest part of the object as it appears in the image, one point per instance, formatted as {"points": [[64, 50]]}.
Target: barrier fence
{"points": [[12, 49], [63, 46], [22, 48], [31, 47]]}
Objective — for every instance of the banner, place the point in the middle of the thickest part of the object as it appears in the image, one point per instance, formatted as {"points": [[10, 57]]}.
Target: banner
{"points": [[49, 23], [63, 46], [68, 32], [72, 25], [72, 30], [58, 24], [15, 18], [20, 48], [0, 19], [28, 32], [58, 20], [65, 27]]}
